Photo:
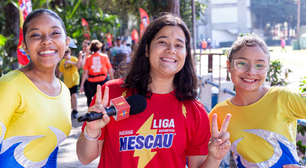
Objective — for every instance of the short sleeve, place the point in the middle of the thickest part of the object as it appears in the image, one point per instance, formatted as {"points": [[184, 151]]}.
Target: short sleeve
{"points": [[198, 145], [9, 102], [293, 103], [107, 62], [74, 59]]}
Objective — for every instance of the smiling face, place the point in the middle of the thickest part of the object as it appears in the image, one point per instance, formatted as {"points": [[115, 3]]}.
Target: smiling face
{"points": [[251, 79], [167, 52], [46, 41]]}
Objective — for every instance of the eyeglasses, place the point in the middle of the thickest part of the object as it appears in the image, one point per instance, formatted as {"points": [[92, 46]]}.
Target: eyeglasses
{"points": [[243, 66], [87, 43], [67, 52]]}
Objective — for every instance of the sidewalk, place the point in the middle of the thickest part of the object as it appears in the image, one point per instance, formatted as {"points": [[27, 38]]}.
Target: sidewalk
{"points": [[67, 157]]}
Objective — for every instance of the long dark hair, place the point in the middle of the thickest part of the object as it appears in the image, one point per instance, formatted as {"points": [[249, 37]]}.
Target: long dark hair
{"points": [[138, 71]]}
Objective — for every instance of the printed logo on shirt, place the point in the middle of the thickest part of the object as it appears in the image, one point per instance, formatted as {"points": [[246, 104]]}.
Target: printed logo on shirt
{"points": [[67, 66], [160, 136], [96, 64]]}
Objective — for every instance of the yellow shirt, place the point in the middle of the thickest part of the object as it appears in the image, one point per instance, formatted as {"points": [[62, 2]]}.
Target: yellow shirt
{"points": [[32, 124], [264, 133], [70, 72]]}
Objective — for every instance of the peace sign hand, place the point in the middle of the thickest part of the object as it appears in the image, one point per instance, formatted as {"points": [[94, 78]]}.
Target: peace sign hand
{"points": [[219, 143], [93, 127]]}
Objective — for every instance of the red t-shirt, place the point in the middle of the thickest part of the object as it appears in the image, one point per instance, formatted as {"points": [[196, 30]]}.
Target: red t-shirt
{"points": [[161, 136], [97, 65]]}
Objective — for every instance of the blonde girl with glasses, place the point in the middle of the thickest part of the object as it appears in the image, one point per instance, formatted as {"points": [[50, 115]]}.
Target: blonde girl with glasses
{"points": [[264, 119]]}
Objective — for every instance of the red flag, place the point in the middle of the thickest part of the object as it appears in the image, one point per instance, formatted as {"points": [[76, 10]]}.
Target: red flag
{"points": [[134, 35], [144, 21], [25, 7], [84, 22], [86, 29]]}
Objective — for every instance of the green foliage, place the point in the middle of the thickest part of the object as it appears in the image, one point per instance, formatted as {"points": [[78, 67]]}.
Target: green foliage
{"points": [[303, 85], [72, 12], [275, 11], [99, 23], [122, 8], [301, 148], [300, 128], [275, 75], [271, 12], [5, 60], [186, 12]]}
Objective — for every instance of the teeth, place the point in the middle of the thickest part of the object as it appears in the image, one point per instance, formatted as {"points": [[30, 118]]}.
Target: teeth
{"points": [[249, 80], [47, 52], [167, 59]]}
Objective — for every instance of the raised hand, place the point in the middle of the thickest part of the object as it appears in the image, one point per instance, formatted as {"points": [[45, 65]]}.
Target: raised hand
{"points": [[219, 144], [94, 127], [80, 54]]}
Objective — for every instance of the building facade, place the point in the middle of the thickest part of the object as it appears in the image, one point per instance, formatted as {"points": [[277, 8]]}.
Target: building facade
{"points": [[224, 20]]}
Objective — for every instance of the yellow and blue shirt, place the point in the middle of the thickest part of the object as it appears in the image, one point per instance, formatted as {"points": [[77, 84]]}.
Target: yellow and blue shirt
{"points": [[263, 134], [32, 124]]}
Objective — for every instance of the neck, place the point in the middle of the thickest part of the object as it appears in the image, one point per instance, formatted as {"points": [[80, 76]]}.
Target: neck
{"points": [[161, 85], [37, 75], [244, 98]]}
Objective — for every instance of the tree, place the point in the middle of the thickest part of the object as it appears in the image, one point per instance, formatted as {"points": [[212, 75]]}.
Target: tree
{"points": [[153, 8], [11, 13], [72, 11], [271, 12], [174, 7]]}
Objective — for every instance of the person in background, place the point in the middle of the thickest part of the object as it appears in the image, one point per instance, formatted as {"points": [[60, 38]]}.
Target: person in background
{"points": [[84, 52], [103, 49], [174, 124], [133, 45], [82, 59], [95, 69], [204, 44], [264, 119], [119, 54], [111, 52], [128, 51], [34, 104], [283, 44], [68, 67], [209, 44]]}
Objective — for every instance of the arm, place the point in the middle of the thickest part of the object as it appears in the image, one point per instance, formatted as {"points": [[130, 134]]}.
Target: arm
{"points": [[84, 77], [111, 73], [71, 62], [203, 161], [9, 103], [88, 150], [80, 60]]}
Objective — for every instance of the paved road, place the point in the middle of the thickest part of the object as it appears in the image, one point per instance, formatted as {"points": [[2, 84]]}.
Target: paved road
{"points": [[67, 157]]}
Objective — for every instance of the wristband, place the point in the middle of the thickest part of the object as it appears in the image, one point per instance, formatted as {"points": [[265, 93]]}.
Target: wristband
{"points": [[88, 137]]}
